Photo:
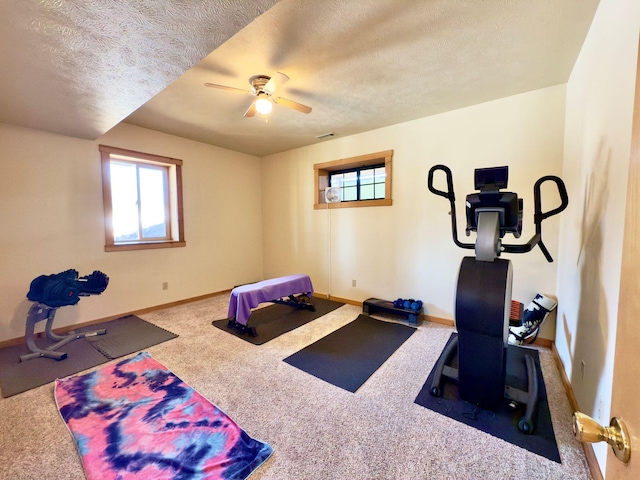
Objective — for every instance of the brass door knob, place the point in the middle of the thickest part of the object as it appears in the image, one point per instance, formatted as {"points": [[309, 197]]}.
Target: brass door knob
{"points": [[587, 430]]}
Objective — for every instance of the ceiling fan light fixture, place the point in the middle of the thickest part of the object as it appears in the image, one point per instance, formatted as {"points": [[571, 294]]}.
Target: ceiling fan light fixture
{"points": [[263, 105], [263, 88]]}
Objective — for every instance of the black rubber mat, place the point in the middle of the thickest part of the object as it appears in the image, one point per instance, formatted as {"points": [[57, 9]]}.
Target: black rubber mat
{"points": [[502, 423], [347, 357], [274, 320], [124, 336]]}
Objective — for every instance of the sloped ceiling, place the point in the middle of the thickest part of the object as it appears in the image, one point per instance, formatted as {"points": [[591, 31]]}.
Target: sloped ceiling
{"points": [[79, 67]]}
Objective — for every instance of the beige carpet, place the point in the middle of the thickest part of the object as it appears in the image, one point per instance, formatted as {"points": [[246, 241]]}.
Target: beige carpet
{"points": [[318, 431]]}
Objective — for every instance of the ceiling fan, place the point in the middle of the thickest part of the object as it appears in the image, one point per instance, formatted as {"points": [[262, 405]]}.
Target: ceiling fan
{"points": [[263, 87]]}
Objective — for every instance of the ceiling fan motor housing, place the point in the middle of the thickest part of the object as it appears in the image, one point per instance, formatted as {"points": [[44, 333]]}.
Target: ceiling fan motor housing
{"points": [[258, 83]]}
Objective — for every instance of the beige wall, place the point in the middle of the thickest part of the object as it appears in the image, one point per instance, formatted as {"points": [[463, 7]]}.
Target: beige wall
{"points": [[600, 97], [51, 217], [406, 250], [52, 205]]}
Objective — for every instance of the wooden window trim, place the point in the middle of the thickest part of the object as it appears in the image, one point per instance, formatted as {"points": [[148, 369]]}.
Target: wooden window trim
{"points": [[175, 188], [323, 170]]}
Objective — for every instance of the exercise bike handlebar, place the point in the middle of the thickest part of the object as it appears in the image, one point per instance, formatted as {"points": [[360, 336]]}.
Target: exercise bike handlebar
{"points": [[538, 216], [564, 198], [450, 195]]}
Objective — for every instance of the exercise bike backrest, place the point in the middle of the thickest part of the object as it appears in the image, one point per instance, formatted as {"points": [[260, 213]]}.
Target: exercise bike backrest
{"points": [[506, 206]]}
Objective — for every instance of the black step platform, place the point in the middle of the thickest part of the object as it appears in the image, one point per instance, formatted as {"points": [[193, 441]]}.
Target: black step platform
{"points": [[375, 305]]}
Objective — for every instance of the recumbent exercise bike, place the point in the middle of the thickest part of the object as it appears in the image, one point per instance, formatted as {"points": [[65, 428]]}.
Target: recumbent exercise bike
{"points": [[483, 295]]}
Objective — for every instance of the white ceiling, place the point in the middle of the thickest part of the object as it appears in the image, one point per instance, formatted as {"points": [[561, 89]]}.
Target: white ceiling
{"points": [[79, 67]]}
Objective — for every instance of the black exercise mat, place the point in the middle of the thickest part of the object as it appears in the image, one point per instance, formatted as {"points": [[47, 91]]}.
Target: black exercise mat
{"points": [[503, 423], [274, 320], [347, 357], [124, 336]]}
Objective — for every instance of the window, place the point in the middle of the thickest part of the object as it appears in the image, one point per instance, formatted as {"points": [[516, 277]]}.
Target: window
{"points": [[364, 181], [142, 200]]}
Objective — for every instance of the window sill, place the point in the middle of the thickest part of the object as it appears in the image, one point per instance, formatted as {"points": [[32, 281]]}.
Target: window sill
{"points": [[385, 202], [143, 246]]}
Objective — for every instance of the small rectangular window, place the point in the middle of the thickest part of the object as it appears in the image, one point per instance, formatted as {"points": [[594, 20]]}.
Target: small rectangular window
{"points": [[364, 181], [142, 200], [359, 184]]}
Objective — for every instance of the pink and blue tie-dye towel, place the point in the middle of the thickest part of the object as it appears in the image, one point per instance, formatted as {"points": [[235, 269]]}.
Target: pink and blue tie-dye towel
{"points": [[137, 420]]}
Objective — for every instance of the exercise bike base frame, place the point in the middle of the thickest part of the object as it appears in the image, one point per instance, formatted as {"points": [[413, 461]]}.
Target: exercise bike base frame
{"points": [[443, 371]]}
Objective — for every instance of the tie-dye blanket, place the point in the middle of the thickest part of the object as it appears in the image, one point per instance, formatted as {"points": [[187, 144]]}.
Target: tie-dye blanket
{"points": [[137, 420]]}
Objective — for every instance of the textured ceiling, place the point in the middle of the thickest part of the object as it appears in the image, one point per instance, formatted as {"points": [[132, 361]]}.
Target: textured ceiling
{"points": [[79, 67]]}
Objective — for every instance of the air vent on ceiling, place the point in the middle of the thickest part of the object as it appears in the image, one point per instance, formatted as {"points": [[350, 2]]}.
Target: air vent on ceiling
{"points": [[326, 135]]}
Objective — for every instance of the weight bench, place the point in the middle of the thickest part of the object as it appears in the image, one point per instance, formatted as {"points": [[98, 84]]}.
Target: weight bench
{"points": [[292, 290]]}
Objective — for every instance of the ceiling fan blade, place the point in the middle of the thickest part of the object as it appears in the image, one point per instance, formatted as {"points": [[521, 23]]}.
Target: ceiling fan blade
{"points": [[276, 82], [224, 87], [291, 104], [251, 111]]}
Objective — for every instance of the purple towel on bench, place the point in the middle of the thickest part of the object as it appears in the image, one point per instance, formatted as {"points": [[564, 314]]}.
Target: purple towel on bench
{"points": [[246, 297]]}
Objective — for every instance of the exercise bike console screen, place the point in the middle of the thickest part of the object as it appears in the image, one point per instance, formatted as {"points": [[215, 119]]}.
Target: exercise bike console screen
{"points": [[490, 199]]}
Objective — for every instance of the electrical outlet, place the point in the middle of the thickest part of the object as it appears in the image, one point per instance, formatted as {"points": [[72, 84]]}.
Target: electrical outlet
{"points": [[353, 283], [165, 285], [600, 411]]}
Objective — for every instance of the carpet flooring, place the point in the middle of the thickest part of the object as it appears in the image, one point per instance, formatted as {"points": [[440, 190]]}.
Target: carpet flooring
{"points": [[317, 431]]}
